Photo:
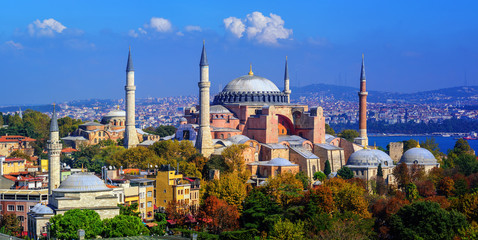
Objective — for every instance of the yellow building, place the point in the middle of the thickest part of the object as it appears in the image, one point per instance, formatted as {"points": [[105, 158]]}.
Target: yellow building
{"points": [[172, 186], [44, 165], [146, 197], [11, 165]]}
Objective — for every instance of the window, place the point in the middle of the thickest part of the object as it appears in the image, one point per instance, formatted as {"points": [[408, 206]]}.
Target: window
{"points": [[1, 207], [150, 204], [164, 190], [11, 208], [20, 208], [142, 205], [186, 191], [21, 218], [150, 193]]}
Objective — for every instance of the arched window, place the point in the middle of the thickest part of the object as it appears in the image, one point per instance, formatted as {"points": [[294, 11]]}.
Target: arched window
{"points": [[314, 170], [222, 136]]}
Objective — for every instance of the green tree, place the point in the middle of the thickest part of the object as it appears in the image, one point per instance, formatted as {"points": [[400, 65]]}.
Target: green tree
{"points": [[431, 145], [284, 230], [408, 144], [123, 226], [426, 220], [259, 211], [67, 125], [412, 192], [160, 229], [9, 224], [230, 188], [304, 179], [345, 173], [66, 226], [329, 130], [320, 176], [327, 168], [349, 134], [129, 210], [379, 170], [20, 154], [234, 158]]}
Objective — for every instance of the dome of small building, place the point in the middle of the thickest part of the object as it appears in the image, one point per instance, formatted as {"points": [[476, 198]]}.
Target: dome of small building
{"points": [[183, 119], [420, 156], [239, 139], [369, 158], [41, 209], [218, 109], [116, 114], [251, 89], [280, 162], [82, 182]]}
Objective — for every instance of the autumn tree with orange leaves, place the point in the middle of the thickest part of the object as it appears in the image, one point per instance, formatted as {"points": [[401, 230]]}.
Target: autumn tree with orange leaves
{"points": [[217, 216]]}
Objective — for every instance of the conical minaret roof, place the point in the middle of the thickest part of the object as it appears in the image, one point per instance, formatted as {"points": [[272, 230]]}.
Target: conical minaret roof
{"points": [[54, 121], [286, 73], [129, 65], [203, 61], [362, 73]]}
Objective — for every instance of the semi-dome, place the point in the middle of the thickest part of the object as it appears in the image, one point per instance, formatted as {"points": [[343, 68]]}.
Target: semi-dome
{"points": [[420, 156], [82, 182], [280, 162], [251, 89], [369, 158]]}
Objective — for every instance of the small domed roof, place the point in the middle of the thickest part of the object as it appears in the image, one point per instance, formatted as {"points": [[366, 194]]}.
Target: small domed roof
{"points": [[82, 182], [183, 119], [41, 209], [369, 158], [251, 83], [280, 162], [218, 109], [420, 156], [239, 139]]}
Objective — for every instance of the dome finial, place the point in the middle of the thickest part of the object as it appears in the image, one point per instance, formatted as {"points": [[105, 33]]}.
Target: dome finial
{"points": [[375, 145], [418, 143], [250, 70], [117, 107]]}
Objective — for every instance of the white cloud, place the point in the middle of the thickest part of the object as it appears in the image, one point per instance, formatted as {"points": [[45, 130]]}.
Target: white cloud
{"points": [[180, 33], [256, 26], [14, 45], [133, 33], [192, 28], [235, 26], [47, 27], [160, 24]]}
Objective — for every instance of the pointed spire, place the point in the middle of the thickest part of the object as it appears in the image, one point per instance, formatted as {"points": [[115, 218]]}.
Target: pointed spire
{"points": [[286, 74], [250, 70], [129, 65], [362, 73], [203, 61], [54, 121]]}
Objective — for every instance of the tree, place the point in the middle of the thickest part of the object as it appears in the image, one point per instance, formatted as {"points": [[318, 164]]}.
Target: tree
{"points": [[219, 216], [401, 175], [466, 164], [234, 158], [284, 230], [348, 197], [327, 169], [379, 170], [20, 154], [123, 226], [408, 144], [426, 220], [345, 173], [67, 125], [349, 134], [283, 188], [433, 147], [230, 188], [320, 176], [160, 228], [9, 224], [411, 191], [137, 157], [446, 186], [329, 130], [129, 210], [302, 177], [66, 226], [468, 205], [319, 200], [259, 211]]}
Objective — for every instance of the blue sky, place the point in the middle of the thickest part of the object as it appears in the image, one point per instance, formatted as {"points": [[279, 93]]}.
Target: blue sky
{"points": [[55, 51]]}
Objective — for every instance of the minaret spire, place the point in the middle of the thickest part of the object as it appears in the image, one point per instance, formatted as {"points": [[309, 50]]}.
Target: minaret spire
{"points": [[204, 137], [363, 139], [287, 90], [54, 149], [130, 134]]}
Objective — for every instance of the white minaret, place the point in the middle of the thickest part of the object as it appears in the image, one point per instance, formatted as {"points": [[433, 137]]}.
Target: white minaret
{"points": [[130, 135], [286, 81], [54, 150], [204, 138]]}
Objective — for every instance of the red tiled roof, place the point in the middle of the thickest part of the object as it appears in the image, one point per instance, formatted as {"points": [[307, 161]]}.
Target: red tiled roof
{"points": [[110, 186], [131, 170], [16, 138], [68, 150], [10, 177], [14, 159]]}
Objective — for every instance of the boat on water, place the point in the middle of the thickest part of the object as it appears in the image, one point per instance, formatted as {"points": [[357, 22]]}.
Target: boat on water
{"points": [[470, 138]]}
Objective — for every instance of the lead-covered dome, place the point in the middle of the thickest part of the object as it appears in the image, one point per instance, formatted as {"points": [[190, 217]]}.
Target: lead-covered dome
{"points": [[420, 156], [82, 182], [251, 89], [369, 158]]}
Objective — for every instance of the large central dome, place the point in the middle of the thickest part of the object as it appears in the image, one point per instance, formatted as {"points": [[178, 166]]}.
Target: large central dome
{"points": [[251, 89], [251, 83]]}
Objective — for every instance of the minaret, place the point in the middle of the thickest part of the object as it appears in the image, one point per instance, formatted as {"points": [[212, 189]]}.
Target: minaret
{"points": [[54, 150], [204, 139], [130, 135], [286, 81], [20, 113], [363, 139]]}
